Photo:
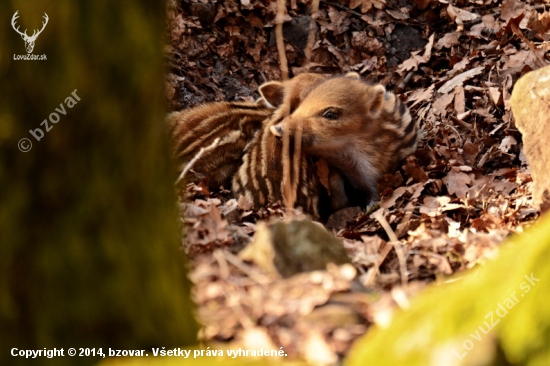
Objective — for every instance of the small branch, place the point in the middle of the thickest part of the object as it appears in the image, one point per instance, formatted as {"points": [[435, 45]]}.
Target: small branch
{"points": [[238, 310], [395, 243], [250, 272], [222, 263], [387, 228], [312, 29], [461, 122], [201, 152], [280, 40], [289, 194], [449, 127], [406, 80], [297, 161], [374, 270], [342, 7], [402, 262], [494, 14]]}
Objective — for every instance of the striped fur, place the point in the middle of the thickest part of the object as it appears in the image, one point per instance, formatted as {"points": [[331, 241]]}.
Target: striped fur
{"points": [[360, 129], [234, 124], [261, 177]]}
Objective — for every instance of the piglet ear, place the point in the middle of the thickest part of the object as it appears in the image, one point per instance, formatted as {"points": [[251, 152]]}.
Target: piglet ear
{"points": [[273, 93], [376, 99], [261, 102], [353, 75]]}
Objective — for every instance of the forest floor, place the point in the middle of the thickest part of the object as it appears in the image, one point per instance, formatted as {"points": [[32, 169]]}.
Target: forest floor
{"points": [[466, 188]]}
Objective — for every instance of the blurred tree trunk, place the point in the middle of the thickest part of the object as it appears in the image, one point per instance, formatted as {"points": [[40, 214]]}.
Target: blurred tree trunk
{"points": [[89, 242]]}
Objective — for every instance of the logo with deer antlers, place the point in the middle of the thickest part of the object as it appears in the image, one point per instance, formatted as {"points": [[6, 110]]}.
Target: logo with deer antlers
{"points": [[29, 40]]}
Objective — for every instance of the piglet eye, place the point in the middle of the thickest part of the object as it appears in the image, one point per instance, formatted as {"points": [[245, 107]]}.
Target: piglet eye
{"points": [[331, 114]]}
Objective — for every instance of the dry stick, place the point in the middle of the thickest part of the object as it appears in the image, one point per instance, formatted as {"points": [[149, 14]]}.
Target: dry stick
{"points": [[447, 126], [291, 173], [201, 152], [297, 161], [382, 220], [249, 271], [344, 8], [287, 182], [406, 80], [395, 243], [222, 264], [374, 270], [280, 41], [311, 36], [529, 44], [402, 262], [461, 122], [224, 275], [238, 310], [471, 23]]}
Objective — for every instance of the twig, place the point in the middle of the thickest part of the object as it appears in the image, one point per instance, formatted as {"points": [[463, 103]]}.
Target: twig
{"points": [[449, 127], [297, 161], [494, 14], [291, 167], [311, 36], [250, 272], [231, 297], [402, 262], [461, 122], [395, 243], [374, 270], [289, 194], [406, 80], [222, 263], [440, 257], [531, 45], [222, 258], [342, 7], [201, 152], [280, 40], [387, 228]]}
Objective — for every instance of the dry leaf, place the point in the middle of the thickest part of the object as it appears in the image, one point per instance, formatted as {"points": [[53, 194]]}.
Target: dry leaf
{"points": [[448, 40], [244, 204], [507, 143], [390, 201], [366, 5], [457, 182], [460, 15], [495, 95], [460, 102], [441, 103], [415, 60], [397, 14], [471, 150], [511, 9], [459, 79], [421, 95]]}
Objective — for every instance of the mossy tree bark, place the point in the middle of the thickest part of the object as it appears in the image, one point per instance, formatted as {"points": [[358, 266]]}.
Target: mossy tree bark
{"points": [[88, 226], [496, 315]]}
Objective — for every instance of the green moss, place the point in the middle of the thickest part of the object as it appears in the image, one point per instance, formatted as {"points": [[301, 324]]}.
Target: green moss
{"points": [[445, 324]]}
